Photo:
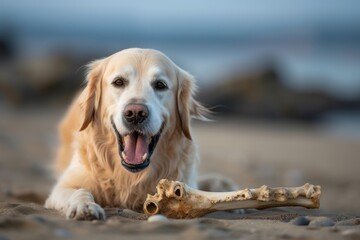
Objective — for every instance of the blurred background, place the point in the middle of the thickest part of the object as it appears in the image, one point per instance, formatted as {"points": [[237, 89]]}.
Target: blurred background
{"points": [[283, 80]]}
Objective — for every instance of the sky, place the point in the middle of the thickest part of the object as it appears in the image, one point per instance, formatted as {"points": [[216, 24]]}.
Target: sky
{"points": [[159, 16]]}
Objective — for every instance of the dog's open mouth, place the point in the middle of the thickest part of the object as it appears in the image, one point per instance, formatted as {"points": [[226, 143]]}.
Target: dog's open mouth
{"points": [[136, 148]]}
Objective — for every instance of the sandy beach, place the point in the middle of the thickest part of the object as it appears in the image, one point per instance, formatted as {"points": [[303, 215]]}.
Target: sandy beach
{"points": [[251, 153]]}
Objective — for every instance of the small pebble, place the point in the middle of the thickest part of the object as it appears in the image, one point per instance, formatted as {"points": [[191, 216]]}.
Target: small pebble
{"points": [[158, 218], [113, 221], [352, 233], [59, 232], [321, 222], [300, 221], [39, 218], [349, 222]]}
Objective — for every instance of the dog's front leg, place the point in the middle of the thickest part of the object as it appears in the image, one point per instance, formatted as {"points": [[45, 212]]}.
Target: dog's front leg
{"points": [[76, 204]]}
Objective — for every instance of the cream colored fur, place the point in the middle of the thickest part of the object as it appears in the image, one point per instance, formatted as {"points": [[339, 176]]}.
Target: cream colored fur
{"points": [[91, 176]]}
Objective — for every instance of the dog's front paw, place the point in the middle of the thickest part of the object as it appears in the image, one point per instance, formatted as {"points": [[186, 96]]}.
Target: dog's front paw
{"points": [[85, 211]]}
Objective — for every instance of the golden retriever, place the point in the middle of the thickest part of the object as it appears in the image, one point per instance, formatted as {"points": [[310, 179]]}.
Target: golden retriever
{"points": [[129, 128]]}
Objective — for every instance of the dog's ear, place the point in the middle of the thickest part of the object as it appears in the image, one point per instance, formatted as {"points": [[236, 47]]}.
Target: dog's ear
{"points": [[187, 106], [90, 97]]}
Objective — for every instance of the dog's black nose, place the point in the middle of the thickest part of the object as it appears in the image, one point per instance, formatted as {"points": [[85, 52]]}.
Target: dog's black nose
{"points": [[135, 113]]}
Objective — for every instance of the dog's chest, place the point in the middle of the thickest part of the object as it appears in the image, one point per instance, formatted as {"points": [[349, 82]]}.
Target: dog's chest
{"points": [[115, 192]]}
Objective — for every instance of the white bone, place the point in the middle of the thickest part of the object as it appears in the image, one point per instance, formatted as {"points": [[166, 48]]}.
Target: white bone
{"points": [[177, 200]]}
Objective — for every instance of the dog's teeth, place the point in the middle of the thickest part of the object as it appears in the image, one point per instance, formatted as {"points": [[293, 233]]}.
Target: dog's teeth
{"points": [[144, 157], [123, 155]]}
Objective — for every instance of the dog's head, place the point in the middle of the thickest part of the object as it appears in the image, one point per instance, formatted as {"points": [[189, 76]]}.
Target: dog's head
{"points": [[140, 94]]}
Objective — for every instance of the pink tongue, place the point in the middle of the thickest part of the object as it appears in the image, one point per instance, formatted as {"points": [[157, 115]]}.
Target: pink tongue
{"points": [[135, 148]]}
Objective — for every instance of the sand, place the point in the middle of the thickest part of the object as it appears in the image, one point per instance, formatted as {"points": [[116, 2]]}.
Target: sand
{"points": [[251, 153]]}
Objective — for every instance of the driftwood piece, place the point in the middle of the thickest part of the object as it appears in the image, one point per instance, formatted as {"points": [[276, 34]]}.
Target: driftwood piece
{"points": [[177, 200]]}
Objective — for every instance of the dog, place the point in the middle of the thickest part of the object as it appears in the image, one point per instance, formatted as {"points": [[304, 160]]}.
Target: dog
{"points": [[128, 128]]}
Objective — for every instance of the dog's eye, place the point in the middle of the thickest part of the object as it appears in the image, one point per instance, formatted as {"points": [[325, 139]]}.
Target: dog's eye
{"points": [[119, 82], [159, 85]]}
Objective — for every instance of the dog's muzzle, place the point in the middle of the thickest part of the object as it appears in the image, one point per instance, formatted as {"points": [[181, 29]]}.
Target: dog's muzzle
{"points": [[136, 148]]}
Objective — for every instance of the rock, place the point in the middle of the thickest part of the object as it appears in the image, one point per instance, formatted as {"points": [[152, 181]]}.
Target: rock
{"points": [[300, 221], [63, 233], [158, 218], [349, 222], [352, 233], [321, 222], [113, 221], [39, 219]]}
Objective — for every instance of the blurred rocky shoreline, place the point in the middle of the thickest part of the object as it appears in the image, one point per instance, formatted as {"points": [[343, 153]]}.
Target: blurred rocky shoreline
{"points": [[263, 93]]}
